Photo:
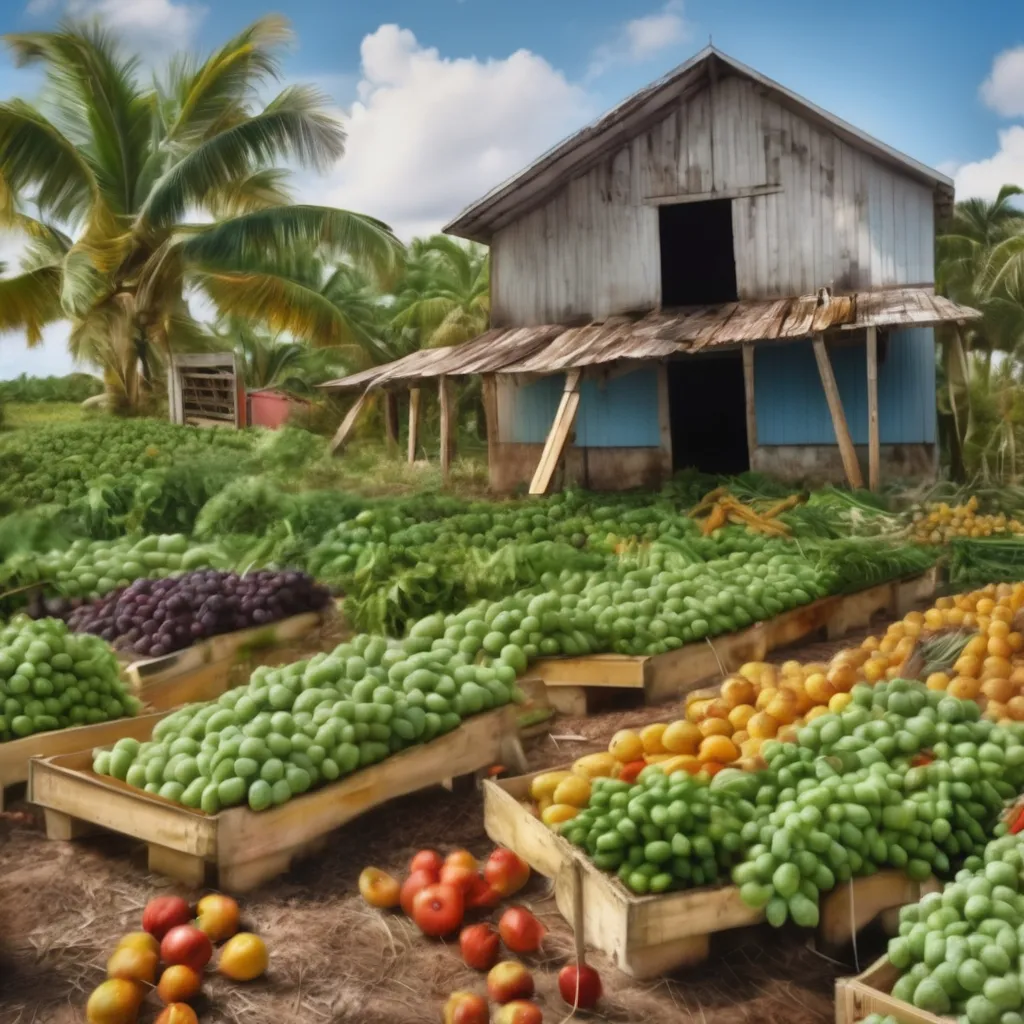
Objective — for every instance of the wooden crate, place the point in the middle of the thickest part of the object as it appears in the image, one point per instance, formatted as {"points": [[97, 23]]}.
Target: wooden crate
{"points": [[870, 992], [15, 755], [247, 848], [573, 682], [649, 935]]}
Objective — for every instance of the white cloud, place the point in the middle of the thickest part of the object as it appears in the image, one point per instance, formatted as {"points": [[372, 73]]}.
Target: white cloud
{"points": [[1003, 90], [428, 134], [642, 38], [49, 358], [148, 27], [984, 178]]}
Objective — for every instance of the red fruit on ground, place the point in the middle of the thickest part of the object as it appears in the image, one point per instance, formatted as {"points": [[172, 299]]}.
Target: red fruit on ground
{"points": [[165, 913], [506, 872], [520, 930], [462, 877], [463, 857], [579, 986], [519, 1011], [186, 945], [438, 910], [218, 916], [466, 1008], [481, 895], [414, 884], [479, 946], [427, 860], [509, 980]]}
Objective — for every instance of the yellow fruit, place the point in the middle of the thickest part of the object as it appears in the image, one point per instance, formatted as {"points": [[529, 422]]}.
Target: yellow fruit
{"points": [[574, 790], [819, 688], [626, 746], [650, 737], [998, 690], [765, 697], [697, 710], [740, 715], [557, 813], [751, 748], [681, 737], [718, 748], [243, 957], [964, 688], [659, 758], [677, 763], [762, 726], [838, 702], [594, 766], [737, 690], [716, 727], [543, 804], [544, 785], [816, 712], [937, 681]]}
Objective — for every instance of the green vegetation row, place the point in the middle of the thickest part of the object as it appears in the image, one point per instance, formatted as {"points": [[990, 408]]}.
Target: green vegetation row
{"points": [[73, 387]]}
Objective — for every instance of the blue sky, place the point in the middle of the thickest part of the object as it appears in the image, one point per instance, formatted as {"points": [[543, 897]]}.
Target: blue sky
{"points": [[445, 98]]}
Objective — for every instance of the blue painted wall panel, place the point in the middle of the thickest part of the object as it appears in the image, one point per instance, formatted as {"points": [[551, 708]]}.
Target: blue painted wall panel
{"points": [[790, 401], [621, 414]]}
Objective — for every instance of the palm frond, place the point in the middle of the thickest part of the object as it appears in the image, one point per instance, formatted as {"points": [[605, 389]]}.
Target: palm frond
{"points": [[30, 301], [257, 191], [35, 157], [280, 232], [294, 126]]}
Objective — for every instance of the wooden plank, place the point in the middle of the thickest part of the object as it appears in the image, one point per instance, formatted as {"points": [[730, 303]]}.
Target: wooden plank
{"points": [[205, 683], [874, 446], [558, 435], [851, 907], [15, 755], [699, 197], [748, 395], [621, 670], [391, 421], [414, 423], [249, 848], [447, 427], [348, 424], [870, 992], [489, 388], [835, 407]]}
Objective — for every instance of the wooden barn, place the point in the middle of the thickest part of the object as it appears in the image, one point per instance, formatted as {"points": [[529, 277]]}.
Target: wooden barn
{"points": [[716, 273]]}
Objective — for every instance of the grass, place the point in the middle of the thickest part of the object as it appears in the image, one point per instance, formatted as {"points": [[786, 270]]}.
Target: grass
{"points": [[19, 415]]}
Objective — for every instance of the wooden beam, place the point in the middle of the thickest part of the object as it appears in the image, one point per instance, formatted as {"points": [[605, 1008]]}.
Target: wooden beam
{"points": [[489, 387], [835, 407], [447, 428], [676, 198], [414, 422], [340, 439], [748, 396], [559, 434], [391, 421], [874, 445]]}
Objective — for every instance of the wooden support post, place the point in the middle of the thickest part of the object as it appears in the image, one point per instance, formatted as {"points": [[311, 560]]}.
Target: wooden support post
{"points": [[447, 428], [340, 439], [748, 394], [835, 407], [414, 422], [391, 421], [489, 386], [559, 434], [874, 446]]}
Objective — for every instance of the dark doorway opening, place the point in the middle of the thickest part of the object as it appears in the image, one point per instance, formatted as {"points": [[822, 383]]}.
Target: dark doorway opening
{"points": [[698, 264], [707, 411]]}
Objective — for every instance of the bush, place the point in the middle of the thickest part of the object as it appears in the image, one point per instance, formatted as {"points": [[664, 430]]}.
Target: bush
{"points": [[75, 387]]}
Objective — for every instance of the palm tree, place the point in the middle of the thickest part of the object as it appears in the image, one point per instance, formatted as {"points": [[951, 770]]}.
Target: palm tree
{"points": [[133, 198], [270, 362]]}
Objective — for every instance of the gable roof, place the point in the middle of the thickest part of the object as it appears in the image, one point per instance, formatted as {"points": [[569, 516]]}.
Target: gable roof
{"points": [[580, 152]]}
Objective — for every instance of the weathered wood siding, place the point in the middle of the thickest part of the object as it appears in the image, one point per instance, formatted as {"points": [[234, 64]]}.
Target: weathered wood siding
{"points": [[842, 218]]}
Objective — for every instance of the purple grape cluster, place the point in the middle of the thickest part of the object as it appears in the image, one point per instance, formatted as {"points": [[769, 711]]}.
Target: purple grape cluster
{"points": [[156, 616]]}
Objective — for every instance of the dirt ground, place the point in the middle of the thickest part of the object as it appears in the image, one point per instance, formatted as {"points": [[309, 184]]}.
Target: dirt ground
{"points": [[336, 961]]}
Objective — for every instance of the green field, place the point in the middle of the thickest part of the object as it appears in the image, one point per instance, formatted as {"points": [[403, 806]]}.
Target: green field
{"points": [[17, 415]]}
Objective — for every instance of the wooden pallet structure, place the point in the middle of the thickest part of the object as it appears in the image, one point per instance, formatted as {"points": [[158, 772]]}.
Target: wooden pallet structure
{"points": [[871, 992], [240, 847], [574, 685], [16, 755], [201, 672], [647, 936]]}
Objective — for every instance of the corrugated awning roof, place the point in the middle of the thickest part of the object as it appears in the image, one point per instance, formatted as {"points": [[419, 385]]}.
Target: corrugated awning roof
{"points": [[555, 347]]}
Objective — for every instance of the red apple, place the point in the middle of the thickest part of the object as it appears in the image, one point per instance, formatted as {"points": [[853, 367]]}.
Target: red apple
{"points": [[165, 913], [217, 915], [509, 980], [414, 884], [579, 985], [429, 861], [462, 857], [479, 946], [506, 872], [481, 896], [466, 1008], [438, 909], [520, 930], [462, 877], [186, 944], [519, 1011], [379, 889]]}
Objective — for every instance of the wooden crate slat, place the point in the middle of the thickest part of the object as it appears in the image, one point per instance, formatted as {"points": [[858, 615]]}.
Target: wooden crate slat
{"points": [[870, 992]]}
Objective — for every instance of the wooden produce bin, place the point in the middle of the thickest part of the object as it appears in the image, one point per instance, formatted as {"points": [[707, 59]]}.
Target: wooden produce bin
{"points": [[15, 755], [870, 992], [648, 936], [664, 677], [200, 672], [247, 848]]}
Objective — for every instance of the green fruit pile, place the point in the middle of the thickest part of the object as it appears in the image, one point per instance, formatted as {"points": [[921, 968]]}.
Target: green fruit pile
{"points": [[51, 678], [845, 800], [663, 832], [959, 949], [312, 722]]}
